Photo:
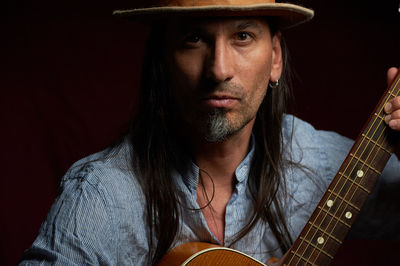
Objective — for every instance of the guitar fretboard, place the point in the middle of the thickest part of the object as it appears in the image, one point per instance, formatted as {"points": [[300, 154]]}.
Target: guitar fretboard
{"points": [[342, 202]]}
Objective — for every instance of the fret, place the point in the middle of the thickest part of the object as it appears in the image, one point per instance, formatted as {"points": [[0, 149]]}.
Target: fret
{"points": [[354, 182], [378, 126], [380, 117], [376, 144], [351, 193], [373, 148], [336, 219], [331, 223], [315, 256], [326, 233], [321, 241], [359, 173], [354, 193], [365, 163], [333, 216], [374, 136], [341, 203], [377, 129], [344, 200], [391, 94], [340, 186], [316, 247], [300, 257]]}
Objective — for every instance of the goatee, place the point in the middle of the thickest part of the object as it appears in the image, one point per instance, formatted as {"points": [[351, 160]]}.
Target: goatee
{"points": [[217, 126]]}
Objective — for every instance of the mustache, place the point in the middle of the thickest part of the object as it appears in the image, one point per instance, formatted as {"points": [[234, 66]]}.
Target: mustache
{"points": [[225, 88]]}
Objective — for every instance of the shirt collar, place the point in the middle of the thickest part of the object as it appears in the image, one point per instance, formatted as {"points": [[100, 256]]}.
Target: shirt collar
{"points": [[190, 174]]}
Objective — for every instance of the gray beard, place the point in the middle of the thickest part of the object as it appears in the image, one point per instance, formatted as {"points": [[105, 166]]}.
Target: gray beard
{"points": [[217, 126]]}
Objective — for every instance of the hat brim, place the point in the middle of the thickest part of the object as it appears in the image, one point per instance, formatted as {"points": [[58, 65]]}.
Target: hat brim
{"points": [[287, 15]]}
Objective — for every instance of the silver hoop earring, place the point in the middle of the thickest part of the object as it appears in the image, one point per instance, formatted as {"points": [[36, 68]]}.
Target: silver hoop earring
{"points": [[273, 84]]}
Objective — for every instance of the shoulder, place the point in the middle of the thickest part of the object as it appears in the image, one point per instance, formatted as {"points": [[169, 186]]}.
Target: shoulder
{"points": [[305, 133], [303, 141], [97, 216], [107, 179], [319, 150], [108, 173], [314, 156]]}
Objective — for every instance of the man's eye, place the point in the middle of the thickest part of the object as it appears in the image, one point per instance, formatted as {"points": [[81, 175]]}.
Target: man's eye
{"points": [[243, 36], [192, 39]]}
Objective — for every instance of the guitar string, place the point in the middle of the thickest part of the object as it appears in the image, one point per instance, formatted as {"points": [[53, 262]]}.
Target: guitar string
{"points": [[356, 164], [313, 250], [388, 96], [377, 120], [328, 234], [302, 241], [342, 203]]}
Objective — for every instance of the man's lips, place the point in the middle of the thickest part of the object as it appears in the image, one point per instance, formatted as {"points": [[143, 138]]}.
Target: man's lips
{"points": [[221, 101]]}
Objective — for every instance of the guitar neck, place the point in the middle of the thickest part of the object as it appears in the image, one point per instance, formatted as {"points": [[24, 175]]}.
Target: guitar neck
{"points": [[342, 202]]}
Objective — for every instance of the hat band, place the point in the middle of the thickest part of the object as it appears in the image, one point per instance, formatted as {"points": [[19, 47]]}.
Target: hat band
{"points": [[194, 3]]}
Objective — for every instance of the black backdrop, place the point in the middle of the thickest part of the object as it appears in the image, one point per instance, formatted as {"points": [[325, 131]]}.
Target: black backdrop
{"points": [[69, 87]]}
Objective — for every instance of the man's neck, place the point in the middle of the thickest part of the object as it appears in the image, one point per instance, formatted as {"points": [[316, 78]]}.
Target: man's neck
{"points": [[218, 162], [220, 159]]}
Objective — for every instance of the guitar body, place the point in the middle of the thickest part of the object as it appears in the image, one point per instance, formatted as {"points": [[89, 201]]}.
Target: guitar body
{"points": [[198, 253]]}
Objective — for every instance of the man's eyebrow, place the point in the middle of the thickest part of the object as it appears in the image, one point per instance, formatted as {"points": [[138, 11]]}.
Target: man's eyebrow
{"points": [[248, 24]]}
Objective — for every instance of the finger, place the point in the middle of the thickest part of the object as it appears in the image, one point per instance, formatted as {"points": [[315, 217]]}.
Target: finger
{"points": [[272, 261], [394, 124], [393, 115], [391, 74], [393, 120], [392, 105]]}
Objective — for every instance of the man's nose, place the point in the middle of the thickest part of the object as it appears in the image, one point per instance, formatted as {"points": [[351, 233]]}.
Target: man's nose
{"points": [[221, 62]]}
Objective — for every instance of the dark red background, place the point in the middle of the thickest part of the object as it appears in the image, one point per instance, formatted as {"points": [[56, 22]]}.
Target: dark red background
{"points": [[69, 87]]}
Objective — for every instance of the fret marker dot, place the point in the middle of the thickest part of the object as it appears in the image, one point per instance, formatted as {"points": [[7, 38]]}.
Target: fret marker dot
{"points": [[329, 203], [360, 173], [348, 215], [320, 240]]}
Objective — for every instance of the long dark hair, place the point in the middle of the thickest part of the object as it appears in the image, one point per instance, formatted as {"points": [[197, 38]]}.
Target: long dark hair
{"points": [[154, 136]]}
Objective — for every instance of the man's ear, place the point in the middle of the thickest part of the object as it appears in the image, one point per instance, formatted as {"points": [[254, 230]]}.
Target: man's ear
{"points": [[276, 67]]}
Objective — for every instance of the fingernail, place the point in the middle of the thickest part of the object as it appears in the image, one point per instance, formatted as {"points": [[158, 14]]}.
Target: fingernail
{"points": [[387, 118], [388, 107], [393, 123]]}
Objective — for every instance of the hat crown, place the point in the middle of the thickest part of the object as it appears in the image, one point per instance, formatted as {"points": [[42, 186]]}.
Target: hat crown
{"points": [[199, 3]]}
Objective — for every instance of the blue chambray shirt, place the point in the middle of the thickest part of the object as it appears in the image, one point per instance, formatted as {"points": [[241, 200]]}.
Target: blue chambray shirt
{"points": [[99, 218]]}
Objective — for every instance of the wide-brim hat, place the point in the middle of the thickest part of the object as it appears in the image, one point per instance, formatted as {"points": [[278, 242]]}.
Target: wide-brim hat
{"points": [[286, 14]]}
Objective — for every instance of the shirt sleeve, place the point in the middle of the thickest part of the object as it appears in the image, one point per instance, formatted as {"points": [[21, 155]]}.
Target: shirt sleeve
{"points": [[79, 229]]}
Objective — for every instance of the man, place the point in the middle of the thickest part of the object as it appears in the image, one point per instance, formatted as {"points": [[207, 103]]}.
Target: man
{"points": [[211, 155]]}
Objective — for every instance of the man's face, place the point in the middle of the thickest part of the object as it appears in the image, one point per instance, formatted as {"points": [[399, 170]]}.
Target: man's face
{"points": [[219, 71]]}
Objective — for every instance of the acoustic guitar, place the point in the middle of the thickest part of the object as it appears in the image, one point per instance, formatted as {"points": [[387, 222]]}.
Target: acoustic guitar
{"points": [[330, 222]]}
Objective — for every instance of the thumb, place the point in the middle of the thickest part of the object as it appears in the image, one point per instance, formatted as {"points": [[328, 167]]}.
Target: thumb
{"points": [[391, 74]]}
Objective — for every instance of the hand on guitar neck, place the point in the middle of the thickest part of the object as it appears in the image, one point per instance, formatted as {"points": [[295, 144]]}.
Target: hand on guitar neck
{"points": [[392, 108]]}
